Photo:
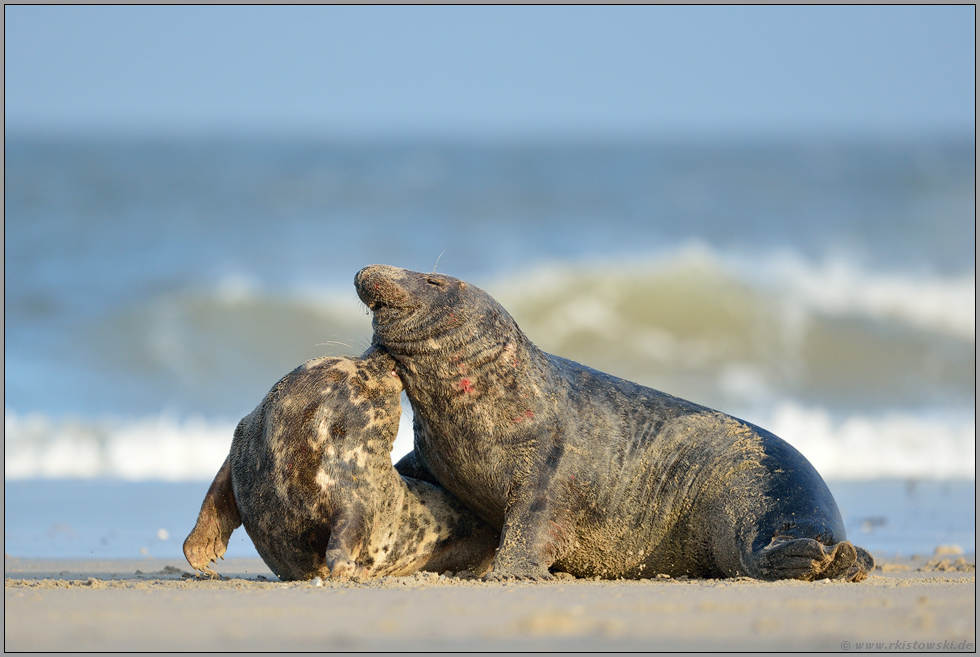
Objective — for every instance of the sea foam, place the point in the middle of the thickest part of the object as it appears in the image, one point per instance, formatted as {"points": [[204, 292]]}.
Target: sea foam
{"points": [[166, 448]]}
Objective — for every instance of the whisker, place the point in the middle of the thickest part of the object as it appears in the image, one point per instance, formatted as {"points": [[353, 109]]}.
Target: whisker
{"points": [[437, 261], [334, 342]]}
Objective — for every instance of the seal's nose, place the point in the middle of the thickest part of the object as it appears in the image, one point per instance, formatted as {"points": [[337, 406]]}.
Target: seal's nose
{"points": [[384, 271], [365, 290], [363, 274], [378, 285]]}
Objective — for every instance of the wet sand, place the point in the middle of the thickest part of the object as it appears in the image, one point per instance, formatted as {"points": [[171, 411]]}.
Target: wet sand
{"points": [[156, 604]]}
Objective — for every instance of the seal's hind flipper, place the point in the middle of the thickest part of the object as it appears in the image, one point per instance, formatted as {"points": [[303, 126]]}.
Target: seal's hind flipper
{"points": [[865, 560], [798, 558], [841, 560], [847, 562], [218, 518], [808, 559], [864, 565]]}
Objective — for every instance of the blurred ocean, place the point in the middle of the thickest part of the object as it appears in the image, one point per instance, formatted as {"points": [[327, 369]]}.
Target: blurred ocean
{"points": [[826, 290], [115, 519]]}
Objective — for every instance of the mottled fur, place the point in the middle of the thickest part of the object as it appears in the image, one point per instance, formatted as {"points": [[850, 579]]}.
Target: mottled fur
{"points": [[584, 472], [310, 476]]}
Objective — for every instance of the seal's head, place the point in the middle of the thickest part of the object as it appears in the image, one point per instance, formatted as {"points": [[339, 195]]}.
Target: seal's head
{"points": [[462, 358], [322, 417], [357, 397], [416, 312], [376, 370]]}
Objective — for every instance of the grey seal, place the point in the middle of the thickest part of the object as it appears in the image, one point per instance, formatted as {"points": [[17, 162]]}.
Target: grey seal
{"points": [[309, 474], [587, 473]]}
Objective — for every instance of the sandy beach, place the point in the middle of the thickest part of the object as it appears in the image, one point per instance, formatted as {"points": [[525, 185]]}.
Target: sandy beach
{"points": [[156, 604]]}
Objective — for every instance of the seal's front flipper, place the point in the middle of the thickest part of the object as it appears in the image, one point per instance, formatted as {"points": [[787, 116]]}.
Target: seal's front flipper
{"points": [[519, 559], [218, 518], [524, 573], [808, 559], [514, 561], [348, 533], [533, 536]]}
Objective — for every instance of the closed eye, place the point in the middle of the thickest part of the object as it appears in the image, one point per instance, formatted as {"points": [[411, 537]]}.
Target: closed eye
{"points": [[438, 282]]}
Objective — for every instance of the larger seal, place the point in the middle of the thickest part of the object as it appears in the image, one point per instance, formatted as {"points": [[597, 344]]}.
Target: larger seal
{"points": [[587, 473], [309, 474]]}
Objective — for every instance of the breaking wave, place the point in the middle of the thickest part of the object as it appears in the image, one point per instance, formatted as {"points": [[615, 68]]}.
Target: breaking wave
{"points": [[695, 274], [706, 326]]}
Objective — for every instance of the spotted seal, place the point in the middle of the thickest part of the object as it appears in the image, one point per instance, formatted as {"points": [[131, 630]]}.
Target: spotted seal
{"points": [[587, 473], [309, 474]]}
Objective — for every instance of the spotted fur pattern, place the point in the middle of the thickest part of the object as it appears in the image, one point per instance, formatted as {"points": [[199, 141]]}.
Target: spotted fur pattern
{"points": [[310, 476], [587, 473]]}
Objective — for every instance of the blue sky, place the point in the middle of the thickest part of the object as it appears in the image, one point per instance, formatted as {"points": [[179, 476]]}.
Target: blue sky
{"points": [[487, 72]]}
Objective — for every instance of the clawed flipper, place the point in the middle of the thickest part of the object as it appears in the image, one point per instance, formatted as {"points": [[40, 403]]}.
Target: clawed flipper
{"points": [[342, 567]]}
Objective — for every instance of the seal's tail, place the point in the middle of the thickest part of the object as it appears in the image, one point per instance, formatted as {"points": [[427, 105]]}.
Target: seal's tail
{"points": [[809, 559]]}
